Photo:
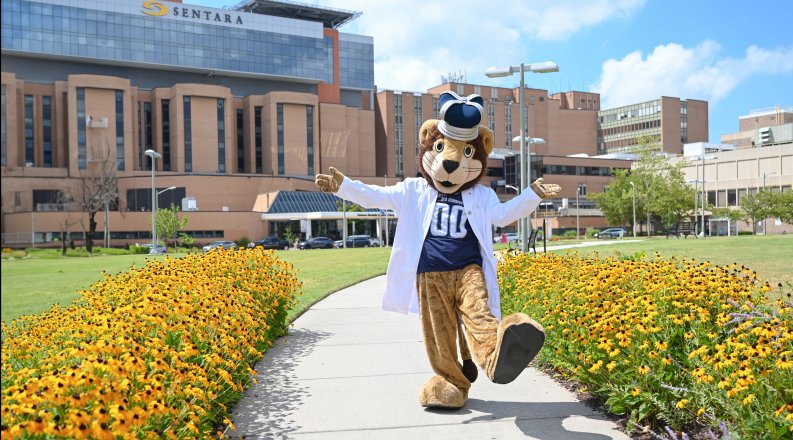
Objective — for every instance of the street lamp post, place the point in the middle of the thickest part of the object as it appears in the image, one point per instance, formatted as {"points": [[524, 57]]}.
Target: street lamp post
{"points": [[633, 197], [153, 155], [387, 233], [764, 176], [702, 212], [498, 72], [577, 225]]}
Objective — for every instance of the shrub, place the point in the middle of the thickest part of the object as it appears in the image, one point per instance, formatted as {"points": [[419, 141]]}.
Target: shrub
{"points": [[569, 234], [745, 233], [673, 342], [134, 249], [590, 232], [154, 352], [243, 242]]}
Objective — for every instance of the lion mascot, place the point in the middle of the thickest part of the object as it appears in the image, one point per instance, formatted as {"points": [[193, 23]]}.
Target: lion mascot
{"points": [[442, 264]]}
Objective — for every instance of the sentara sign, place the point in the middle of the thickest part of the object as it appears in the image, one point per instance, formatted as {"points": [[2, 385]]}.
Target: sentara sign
{"points": [[154, 8]]}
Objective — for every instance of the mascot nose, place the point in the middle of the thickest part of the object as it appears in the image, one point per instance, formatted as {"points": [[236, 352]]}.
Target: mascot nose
{"points": [[450, 165]]}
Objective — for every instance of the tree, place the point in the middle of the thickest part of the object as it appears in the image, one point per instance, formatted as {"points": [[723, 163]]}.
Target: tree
{"points": [[169, 223], [754, 207], [96, 190], [781, 206], [616, 201], [352, 207], [63, 201]]}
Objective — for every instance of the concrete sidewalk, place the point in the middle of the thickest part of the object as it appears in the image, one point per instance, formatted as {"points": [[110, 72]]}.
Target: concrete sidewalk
{"points": [[349, 370]]}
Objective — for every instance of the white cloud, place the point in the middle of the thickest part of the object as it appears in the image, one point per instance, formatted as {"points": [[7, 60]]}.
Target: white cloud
{"points": [[417, 41], [674, 70]]}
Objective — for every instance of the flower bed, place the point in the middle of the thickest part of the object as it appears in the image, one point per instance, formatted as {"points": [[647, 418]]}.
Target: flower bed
{"points": [[680, 344], [151, 353]]}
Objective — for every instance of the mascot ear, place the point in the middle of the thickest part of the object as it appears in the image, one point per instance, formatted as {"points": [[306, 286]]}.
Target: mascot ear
{"points": [[487, 138], [427, 128]]}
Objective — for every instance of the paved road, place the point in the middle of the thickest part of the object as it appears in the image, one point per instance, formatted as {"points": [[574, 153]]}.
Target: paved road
{"points": [[349, 370]]}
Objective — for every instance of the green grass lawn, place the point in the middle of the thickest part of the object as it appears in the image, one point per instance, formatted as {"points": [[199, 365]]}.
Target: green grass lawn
{"points": [[32, 285], [771, 256]]}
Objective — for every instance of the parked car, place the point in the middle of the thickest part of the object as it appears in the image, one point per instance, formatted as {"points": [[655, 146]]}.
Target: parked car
{"points": [[611, 233], [359, 241], [316, 243], [338, 244], [225, 244], [271, 243], [156, 249], [375, 242], [511, 236]]}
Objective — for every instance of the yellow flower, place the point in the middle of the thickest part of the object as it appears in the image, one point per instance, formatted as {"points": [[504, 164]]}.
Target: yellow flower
{"points": [[682, 403], [635, 391], [644, 369], [748, 399]]}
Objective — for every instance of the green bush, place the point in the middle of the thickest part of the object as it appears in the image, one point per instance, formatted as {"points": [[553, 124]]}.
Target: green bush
{"points": [[569, 234], [590, 232], [243, 242], [745, 233], [138, 249]]}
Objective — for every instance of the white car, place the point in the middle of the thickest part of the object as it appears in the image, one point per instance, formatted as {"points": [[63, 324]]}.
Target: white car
{"points": [[225, 244]]}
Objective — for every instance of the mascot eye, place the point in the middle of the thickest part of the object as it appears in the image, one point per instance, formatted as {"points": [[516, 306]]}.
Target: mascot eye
{"points": [[468, 151], [439, 146]]}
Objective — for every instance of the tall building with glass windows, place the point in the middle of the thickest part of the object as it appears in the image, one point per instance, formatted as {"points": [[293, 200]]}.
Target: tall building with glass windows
{"points": [[663, 124], [237, 102]]}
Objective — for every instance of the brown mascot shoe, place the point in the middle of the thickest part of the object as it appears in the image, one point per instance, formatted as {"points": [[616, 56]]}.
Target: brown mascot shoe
{"points": [[440, 393], [519, 340]]}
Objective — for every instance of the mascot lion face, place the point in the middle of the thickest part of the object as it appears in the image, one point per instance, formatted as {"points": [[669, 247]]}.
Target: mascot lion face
{"points": [[452, 165], [454, 149]]}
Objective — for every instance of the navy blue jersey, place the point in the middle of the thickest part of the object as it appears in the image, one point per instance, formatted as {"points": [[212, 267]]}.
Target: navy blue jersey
{"points": [[450, 243]]}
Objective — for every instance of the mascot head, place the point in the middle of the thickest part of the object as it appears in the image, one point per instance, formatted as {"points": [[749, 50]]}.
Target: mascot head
{"points": [[454, 149]]}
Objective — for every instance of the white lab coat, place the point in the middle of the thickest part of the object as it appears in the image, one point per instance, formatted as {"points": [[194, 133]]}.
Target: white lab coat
{"points": [[413, 201]]}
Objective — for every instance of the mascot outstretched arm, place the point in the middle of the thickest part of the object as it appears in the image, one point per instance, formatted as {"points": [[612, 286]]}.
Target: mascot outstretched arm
{"points": [[442, 263]]}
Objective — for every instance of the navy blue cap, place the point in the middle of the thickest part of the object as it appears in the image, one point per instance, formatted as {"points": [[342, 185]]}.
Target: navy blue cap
{"points": [[460, 116]]}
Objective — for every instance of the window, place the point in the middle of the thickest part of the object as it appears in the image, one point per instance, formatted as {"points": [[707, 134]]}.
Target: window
{"points": [[148, 137], [3, 122], [139, 199], [280, 128], [46, 135], [81, 136], [30, 150], [221, 137], [399, 141], [188, 136], [508, 124], [240, 142], [310, 138], [48, 200], [120, 130], [257, 113], [165, 106]]}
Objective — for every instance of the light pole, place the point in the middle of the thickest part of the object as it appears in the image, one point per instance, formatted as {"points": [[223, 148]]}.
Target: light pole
{"points": [[385, 183], [764, 175], [696, 198], [702, 212], [577, 225], [498, 72], [633, 197], [153, 155]]}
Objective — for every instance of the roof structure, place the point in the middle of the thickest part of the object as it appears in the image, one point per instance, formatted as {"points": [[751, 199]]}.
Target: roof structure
{"points": [[330, 18]]}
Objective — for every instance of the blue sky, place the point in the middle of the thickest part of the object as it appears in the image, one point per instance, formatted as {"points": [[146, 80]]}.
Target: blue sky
{"points": [[736, 55]]}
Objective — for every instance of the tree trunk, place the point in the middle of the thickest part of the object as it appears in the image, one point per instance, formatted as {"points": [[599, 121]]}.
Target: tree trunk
{"points": [[89, 238], [63, 243]]}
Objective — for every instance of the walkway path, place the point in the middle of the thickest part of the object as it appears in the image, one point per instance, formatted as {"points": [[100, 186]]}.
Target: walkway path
{"points": [[349, 370]]}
